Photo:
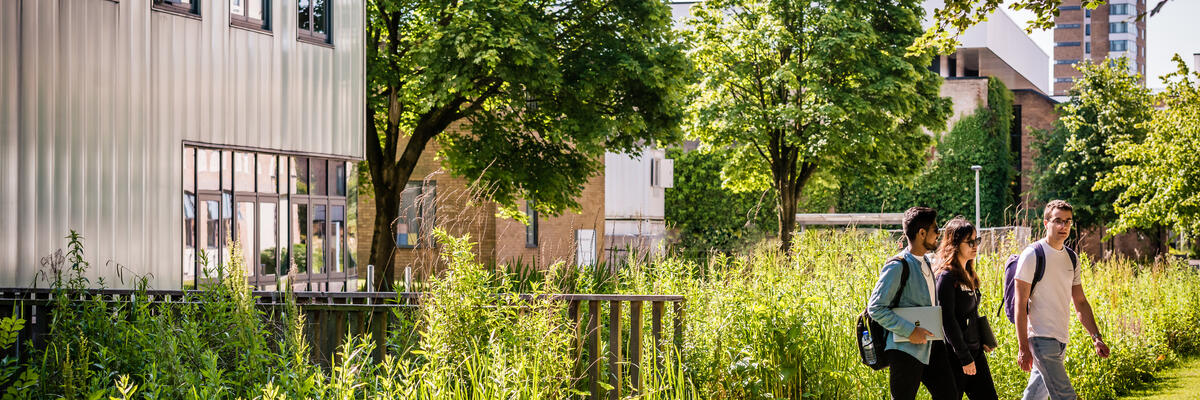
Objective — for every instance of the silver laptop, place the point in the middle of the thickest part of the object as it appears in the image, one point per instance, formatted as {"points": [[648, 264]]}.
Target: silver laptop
{"points": [[929, 318]]}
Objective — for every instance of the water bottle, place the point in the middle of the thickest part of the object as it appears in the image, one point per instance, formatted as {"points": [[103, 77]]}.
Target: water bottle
{"points": [[868, 348]]}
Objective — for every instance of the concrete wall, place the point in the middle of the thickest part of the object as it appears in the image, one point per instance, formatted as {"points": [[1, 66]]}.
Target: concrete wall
{"points": [[99, 96], [966, 95]]}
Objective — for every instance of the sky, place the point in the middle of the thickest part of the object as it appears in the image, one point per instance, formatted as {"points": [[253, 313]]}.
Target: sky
{"points": [[1176, 29]]}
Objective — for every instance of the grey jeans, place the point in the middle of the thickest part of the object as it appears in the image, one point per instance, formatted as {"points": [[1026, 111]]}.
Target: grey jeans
{"points": [[1049, 377]]}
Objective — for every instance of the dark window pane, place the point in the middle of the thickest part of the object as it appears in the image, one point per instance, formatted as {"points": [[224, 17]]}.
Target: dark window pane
{"points": [[299, 233], [531, 230], [268, 174], [305, 11], [268, 242], [208, 166], [337, 238], [317, 181], [320, 10], [299, 175], [318, 239], [340, 177]]}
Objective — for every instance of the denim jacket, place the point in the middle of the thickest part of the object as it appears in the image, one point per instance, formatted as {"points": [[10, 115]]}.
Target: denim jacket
{"points": [[916, 294]]}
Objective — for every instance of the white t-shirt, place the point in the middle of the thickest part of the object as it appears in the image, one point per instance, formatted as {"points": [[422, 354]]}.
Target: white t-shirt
{"points": [[1050, 302], [927, 271]]}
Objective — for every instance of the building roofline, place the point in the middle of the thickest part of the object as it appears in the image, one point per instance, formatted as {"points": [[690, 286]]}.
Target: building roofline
{"points": [[1039, 93]]}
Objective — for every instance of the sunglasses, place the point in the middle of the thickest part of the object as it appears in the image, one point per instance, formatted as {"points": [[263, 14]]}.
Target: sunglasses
{"points": [[973, 242]]}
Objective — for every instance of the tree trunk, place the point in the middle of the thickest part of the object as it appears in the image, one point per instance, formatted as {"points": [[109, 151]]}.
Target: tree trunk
{"points": [[787, 217], [383, 244]]}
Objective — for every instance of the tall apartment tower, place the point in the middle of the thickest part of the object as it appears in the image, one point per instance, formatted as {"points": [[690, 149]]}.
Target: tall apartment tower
{"points": [[1108, 32]]}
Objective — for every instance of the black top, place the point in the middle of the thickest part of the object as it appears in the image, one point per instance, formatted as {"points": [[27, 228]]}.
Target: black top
{"points": [[960, 316]]}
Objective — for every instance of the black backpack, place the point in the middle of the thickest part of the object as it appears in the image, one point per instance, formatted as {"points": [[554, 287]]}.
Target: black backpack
{"points": [[872, 356], [1010, 276]]}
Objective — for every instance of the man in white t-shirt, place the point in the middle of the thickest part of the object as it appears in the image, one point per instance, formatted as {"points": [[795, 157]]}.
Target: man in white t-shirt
{"points": [[1041, 345]]}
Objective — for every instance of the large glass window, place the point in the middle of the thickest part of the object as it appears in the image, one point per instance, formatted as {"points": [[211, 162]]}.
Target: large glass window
{"points": [[1118, 9], [314, 20], [295, 227], [1118, 45], [417, 208], [1118, 27]]}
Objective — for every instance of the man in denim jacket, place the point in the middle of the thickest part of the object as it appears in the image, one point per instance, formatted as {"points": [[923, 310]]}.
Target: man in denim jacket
{"points": [[920, 360]]}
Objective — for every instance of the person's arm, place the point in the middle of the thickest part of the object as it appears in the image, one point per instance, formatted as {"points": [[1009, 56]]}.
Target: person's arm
{"points": [[879, 307], [947, 288], [1084, 310], [1024, 357]]}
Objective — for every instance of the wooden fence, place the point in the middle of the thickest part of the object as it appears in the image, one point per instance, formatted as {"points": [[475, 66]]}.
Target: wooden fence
{"points": [[332, 315]]}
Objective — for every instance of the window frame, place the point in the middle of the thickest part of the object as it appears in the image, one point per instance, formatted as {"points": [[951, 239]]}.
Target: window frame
{"points": [[192, 10], [312, 36], [246, 22]]}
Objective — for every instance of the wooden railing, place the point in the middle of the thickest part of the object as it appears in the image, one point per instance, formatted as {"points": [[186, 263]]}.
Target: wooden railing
{"points": [[332, 315]]}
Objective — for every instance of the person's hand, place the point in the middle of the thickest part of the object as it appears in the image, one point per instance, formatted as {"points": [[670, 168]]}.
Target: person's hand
{"points": [[988, 349], [919, 335], [1101, 348], [969, 369], [1024, 359]]}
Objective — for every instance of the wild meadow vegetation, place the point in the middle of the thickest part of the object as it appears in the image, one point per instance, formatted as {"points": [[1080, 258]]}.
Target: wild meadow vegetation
{"points": [[758, 325]]}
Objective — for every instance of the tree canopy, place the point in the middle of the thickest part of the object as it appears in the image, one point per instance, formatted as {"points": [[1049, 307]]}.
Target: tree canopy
{"points": [[1107, 110], [541, 88], [1158, 180], [793, 87]]}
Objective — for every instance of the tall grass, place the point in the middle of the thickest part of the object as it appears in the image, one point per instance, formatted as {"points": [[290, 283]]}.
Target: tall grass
{"points": [[758, 325]]}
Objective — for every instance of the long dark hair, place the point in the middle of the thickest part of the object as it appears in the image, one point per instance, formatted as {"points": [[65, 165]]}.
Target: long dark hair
{"points": [[957, 231]]}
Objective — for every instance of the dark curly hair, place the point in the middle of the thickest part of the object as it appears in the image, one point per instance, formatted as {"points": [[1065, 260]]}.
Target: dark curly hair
{"points": [[957, 231]]}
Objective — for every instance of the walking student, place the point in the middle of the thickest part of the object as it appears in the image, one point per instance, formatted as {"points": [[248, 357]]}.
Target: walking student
{"points": [[1043, 326], [958, 295], [918, 361]]}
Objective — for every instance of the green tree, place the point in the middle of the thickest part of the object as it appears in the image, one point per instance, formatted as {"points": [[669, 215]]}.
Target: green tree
{"points": [[1107, 110], [796, 87], [542, 89], [1158, 180], [947, 183], [709, 216]]}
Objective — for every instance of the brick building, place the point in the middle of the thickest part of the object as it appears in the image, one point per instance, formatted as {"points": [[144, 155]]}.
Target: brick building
{"points": [[436, 198], [1110, 31]]}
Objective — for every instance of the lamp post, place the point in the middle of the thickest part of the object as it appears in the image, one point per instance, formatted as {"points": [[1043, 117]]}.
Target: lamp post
{"points": [[977, 168]]}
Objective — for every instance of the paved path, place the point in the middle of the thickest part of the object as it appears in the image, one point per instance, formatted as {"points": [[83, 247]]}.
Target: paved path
{"points": [[1181, 383]]}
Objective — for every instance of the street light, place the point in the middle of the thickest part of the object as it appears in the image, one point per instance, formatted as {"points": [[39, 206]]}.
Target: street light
{"points": [[977, 168]]}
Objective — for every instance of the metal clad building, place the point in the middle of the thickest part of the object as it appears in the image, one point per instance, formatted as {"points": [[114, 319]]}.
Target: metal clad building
{"points": [[99, 97]]}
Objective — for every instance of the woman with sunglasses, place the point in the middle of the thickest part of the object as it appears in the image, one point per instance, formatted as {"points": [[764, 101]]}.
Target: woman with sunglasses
{"points": [[958, 295]]}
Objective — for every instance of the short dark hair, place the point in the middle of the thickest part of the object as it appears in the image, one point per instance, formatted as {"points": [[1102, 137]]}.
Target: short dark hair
{"points": [[1056, 205], [918, 218]]}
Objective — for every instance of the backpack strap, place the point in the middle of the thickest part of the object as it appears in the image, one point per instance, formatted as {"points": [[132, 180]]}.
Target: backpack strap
{"points": [[903, 279], [1074, 257], [1039, 267]]}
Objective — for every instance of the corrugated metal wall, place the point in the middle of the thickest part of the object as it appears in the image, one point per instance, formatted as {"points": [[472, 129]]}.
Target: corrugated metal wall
{"points": [[98, 97]]}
